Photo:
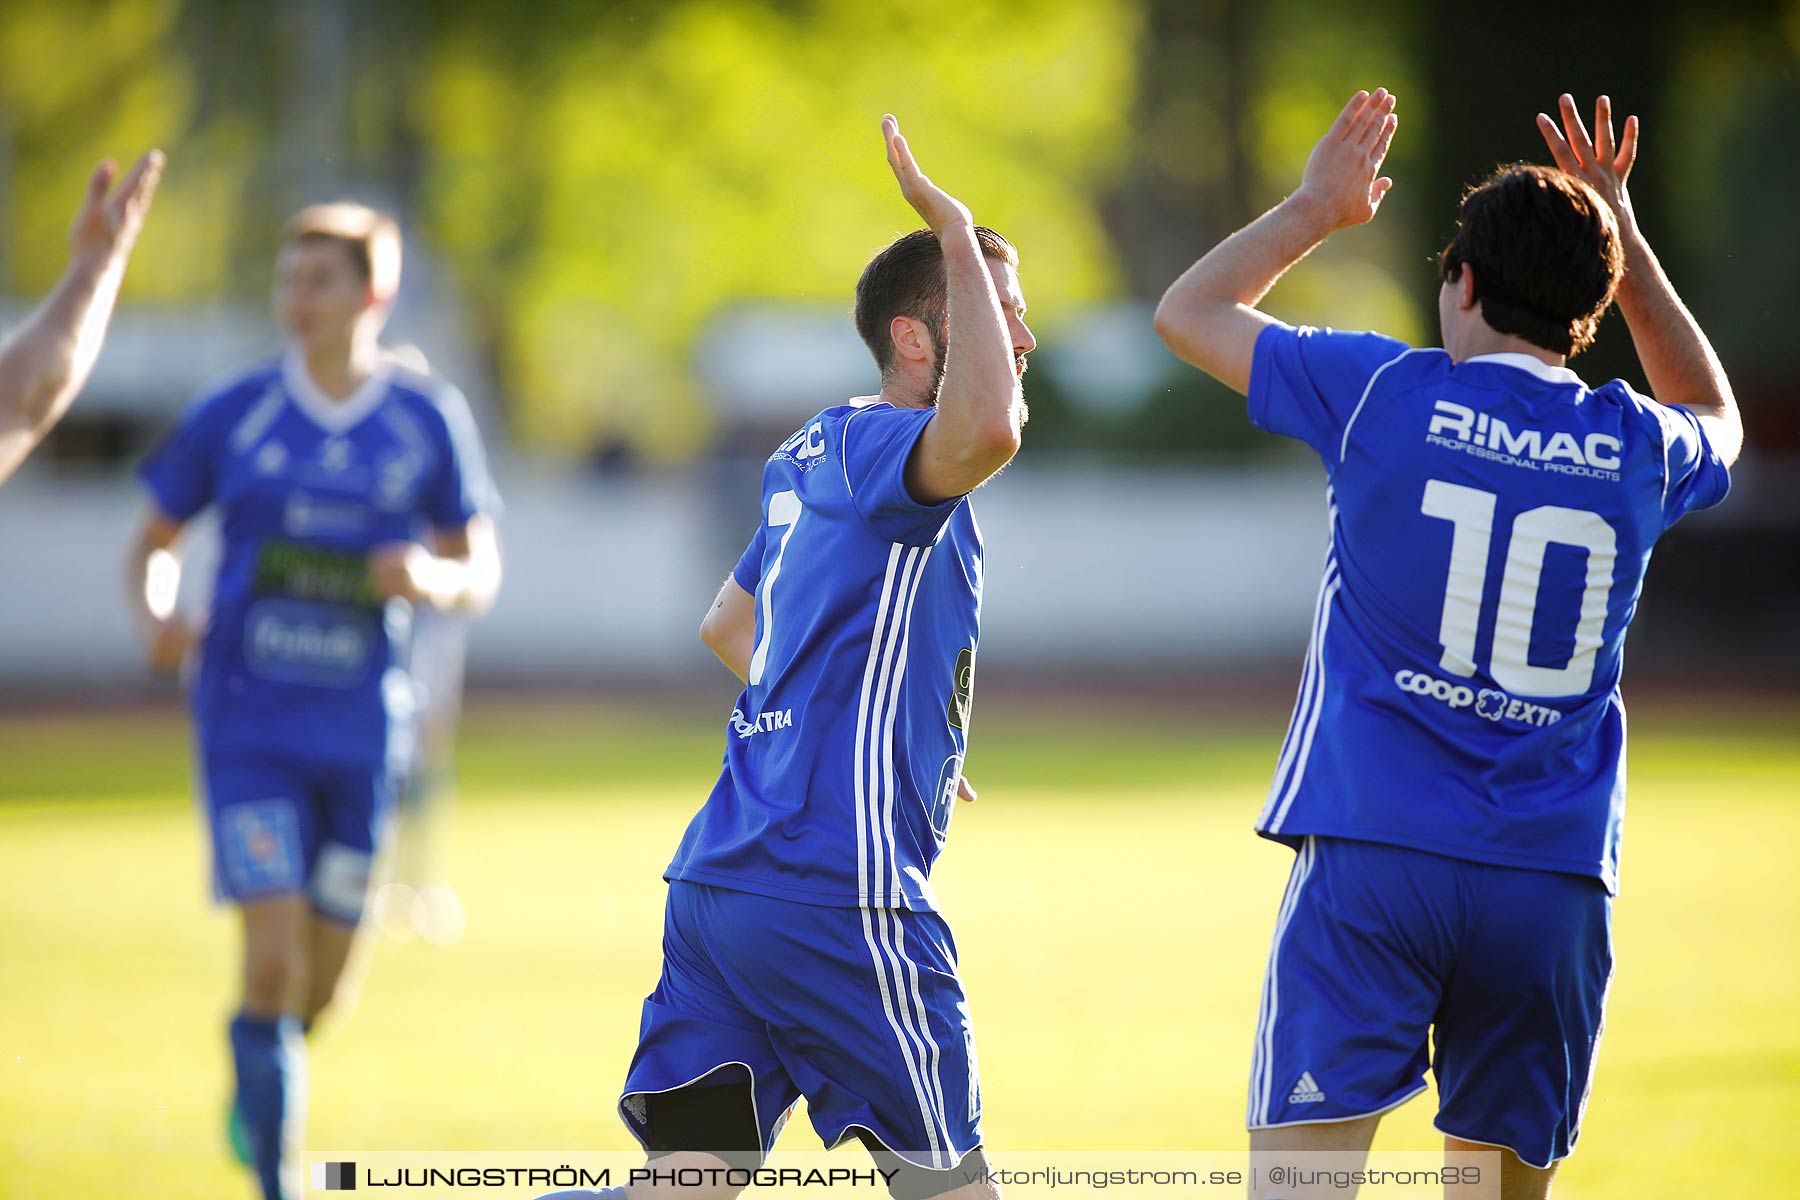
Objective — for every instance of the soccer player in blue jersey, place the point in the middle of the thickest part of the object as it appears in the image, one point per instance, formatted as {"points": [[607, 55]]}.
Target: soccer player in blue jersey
{"points": [[350, 492], [1453, 779], [803, 951]]}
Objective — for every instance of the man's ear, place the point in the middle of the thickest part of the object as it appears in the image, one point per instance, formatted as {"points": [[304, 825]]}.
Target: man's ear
{"points": [[912, 341], [1465, 289]]}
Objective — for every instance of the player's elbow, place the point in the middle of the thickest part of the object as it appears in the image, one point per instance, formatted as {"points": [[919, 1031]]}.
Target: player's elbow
{"points": [[995, 443], [1164, 320], [1181, 330], [992, 441], [714, 632]]}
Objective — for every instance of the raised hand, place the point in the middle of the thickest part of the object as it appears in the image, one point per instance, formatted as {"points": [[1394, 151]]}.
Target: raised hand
{"points": [[1597, 161], [1343, 173], [939, 209], [107, 227]]}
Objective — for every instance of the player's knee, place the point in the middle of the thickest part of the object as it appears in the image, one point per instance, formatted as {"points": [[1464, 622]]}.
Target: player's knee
{"points": [[272, 972], [318, 998]]}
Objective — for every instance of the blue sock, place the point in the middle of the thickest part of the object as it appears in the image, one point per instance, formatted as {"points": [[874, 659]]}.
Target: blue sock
{"points": [[270, 1057], [610, 1193]]}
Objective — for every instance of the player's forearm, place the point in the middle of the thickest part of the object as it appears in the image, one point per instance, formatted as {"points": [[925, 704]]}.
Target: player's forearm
{"points": [[1208, 316], [44, 364], [735, 651], [1678, 360], [979, 402]]}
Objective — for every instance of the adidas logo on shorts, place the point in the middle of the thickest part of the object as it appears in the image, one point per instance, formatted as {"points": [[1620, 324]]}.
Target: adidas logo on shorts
{"points": [[1306, 1091]]}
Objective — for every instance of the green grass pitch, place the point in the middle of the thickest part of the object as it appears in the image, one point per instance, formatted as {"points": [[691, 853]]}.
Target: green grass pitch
{"points": [[1111, 905]]}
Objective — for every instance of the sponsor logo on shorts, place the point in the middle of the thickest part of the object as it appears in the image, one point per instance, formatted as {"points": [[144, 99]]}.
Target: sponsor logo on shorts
{"points": [[767, 722], [1491, 703], [260, 845], [1306, 1091]]}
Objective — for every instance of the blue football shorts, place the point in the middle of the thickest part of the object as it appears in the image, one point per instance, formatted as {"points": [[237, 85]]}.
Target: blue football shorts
{"points": [[283, 826], [1379, 951], [859, 1010]]}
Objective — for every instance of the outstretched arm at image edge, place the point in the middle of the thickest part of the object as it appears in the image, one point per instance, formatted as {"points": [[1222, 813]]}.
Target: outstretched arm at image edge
{"points": [[44, 364]]}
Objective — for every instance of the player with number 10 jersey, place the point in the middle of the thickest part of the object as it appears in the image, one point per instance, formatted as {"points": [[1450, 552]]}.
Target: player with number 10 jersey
{"points": [[1453, 777]]}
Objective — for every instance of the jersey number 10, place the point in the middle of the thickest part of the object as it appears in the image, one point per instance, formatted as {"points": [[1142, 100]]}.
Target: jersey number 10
{"points": [[1470, 511]]}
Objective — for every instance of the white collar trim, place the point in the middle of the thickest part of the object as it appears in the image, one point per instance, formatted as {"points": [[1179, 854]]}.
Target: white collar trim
{"points": [[1526, 362], [333, 416]]}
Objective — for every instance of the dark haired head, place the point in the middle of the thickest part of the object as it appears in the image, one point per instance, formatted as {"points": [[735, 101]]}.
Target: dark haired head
{"points": [[907, 280], [1545, 251]]}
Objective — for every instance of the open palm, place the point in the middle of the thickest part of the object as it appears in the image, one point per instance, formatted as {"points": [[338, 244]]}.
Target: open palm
{"points": [[1597, 161], [1343, 173], [108, 225], [939, 208]]}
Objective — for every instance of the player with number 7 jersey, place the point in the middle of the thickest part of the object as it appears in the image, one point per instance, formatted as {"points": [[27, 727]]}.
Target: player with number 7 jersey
{"points": [[1453, 776], [845, 749], [803, 951]]}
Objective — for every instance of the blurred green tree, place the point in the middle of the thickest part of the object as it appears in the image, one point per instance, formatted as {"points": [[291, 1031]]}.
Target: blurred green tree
{"points": [[606, 186], [603, 178]]}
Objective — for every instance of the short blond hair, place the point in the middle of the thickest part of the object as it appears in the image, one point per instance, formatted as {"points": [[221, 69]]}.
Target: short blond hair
{"points": [[372, 237]]}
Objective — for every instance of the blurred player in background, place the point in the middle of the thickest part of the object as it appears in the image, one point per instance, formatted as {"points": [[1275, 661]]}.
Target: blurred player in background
{"points": [[419, 899], [803, 950], [45, 361], [350, 493], [1453, 780]]}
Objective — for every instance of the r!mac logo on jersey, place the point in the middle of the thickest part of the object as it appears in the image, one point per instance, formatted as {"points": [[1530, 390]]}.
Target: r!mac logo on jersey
{"points": [[806, 449], [1459, 427]]}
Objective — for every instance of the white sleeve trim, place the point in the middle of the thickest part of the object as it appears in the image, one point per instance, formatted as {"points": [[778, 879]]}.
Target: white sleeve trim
{"points": [[1344, 444]]}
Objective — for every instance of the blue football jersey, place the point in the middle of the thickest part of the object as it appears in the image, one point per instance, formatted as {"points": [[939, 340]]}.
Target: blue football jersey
{"points": [[843, 753], [300, 657], [1490, 525]]}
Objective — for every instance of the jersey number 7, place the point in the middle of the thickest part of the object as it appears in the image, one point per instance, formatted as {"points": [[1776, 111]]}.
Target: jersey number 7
{"points": [[784, 512], [1471, 512]]}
